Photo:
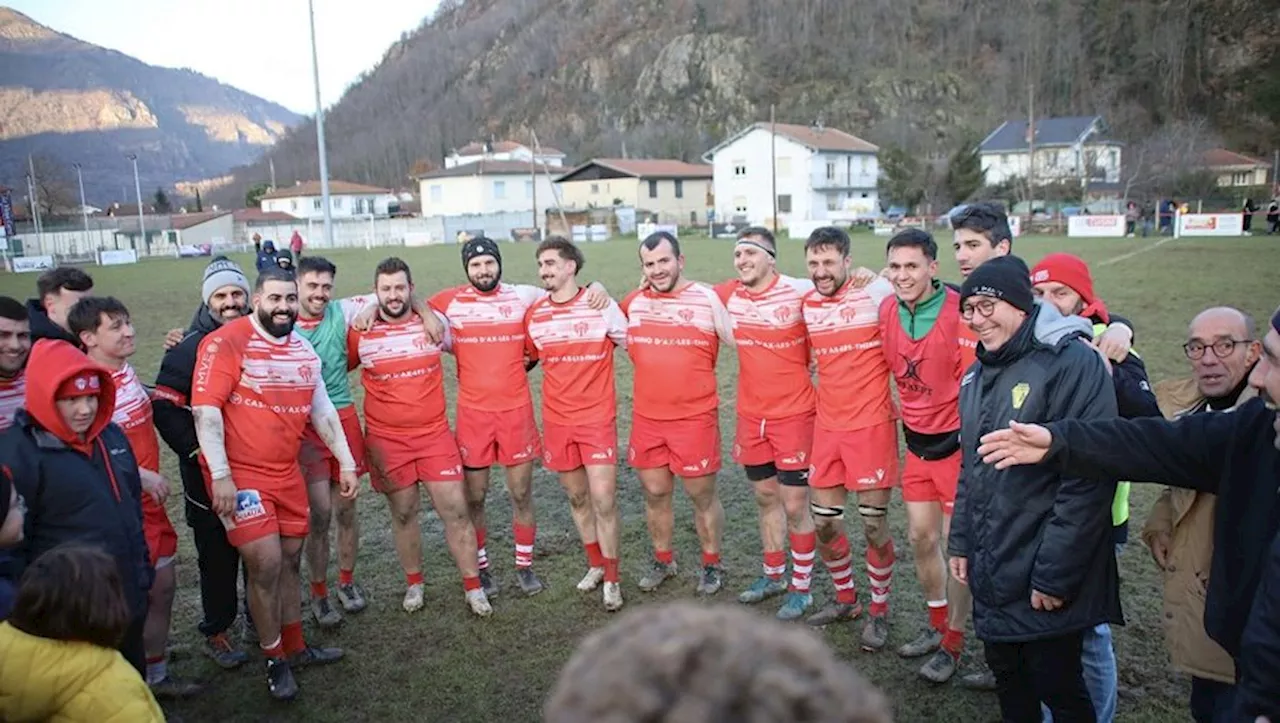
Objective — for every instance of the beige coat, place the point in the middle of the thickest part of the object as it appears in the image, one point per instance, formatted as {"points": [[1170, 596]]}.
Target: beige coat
{"points": [[1187, 517]]}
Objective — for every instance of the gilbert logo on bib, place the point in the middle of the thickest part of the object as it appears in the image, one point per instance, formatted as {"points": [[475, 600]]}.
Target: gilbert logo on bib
{"points": [[248, 507]]}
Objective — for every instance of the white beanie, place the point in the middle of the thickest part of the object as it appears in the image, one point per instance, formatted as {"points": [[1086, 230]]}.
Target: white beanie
{"points": [[222, 272]]}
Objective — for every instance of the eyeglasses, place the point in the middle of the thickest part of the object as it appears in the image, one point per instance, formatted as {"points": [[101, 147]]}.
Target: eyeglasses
{"points": [[1222, 348], [985, 307]]}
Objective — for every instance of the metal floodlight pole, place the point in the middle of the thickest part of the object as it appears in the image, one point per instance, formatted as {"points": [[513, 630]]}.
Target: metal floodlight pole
{"points": [[84, 210], [35, 194], [324, 162], [773, 166], [137, 187]]}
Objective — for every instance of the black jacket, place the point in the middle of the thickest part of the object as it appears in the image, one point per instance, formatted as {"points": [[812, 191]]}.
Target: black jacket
{"points": [[42, 327], [1258, 691], [172, 407], [73, 497], [1031, 528], [1231, 454]]}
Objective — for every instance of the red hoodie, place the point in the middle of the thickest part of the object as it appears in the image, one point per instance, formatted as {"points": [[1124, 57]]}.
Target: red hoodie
{"points": [[51, 363]]}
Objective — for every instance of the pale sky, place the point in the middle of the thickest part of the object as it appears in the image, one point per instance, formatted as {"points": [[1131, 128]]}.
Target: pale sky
{"points": [[259, 46]]}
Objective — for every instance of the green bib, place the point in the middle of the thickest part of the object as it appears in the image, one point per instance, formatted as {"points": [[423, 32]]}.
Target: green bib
{"points": [[330, 341], [1119, 505]]}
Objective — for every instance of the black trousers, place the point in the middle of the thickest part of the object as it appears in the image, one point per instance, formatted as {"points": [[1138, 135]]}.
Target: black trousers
{"points": [[132, 648], [1047, 671], [1211, 701], [219, 565]]}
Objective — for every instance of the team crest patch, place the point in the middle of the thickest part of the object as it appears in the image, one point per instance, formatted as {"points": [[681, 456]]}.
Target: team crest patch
{"points": [[1020, 392], [249, 506]]}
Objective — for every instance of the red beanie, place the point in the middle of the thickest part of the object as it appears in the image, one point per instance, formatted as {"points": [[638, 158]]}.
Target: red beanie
{"points": [[1073, 272], [84, 384]]}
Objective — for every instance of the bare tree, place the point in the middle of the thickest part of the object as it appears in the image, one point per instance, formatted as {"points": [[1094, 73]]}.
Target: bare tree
{"points": [[1166, 156], [55, 186]]}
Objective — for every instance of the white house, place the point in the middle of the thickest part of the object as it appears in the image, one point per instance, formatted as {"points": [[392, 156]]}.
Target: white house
{"points": [[669, 190], [503, 151], [346, 200], [822, 174], [486, 186], [1067, 149], [1235, 169]]}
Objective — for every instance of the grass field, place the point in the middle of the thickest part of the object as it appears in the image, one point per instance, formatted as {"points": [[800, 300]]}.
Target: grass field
{"points": [[445, 665]]}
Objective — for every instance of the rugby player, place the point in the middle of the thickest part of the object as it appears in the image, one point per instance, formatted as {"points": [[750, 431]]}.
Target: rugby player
{"points": [[675, 328], [855, 445], [409, 442], [574, 344], [257, 384]]}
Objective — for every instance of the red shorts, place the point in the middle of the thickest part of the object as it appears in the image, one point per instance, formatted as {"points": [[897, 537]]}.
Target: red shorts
{"points": [[400, 460], [860, 460], [508, 438], [266, 507], [786, 443], [318, 463], [568, 447], [688, 447], [925, 480], [162, 539]]}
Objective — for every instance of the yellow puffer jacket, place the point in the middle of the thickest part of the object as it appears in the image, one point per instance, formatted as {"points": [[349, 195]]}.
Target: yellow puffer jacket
{"points": [[62, 682]]}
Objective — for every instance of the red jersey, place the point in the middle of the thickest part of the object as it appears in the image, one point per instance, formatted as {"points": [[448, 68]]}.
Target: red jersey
{"points": [[265, 388], [575, 346], [844, 336], [488, 340], [673, 340], [773, 347], [402, 376], [133, 415], [927, 370], [968, 339], [11, 396]]}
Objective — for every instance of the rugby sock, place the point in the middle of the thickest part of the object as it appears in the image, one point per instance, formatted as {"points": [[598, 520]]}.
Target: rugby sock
{"points": [[775, 564], [346, 577], [274, 650], [413, 578], [291, 634], [595, 558], [802, 546], [710, 558], [839, 562], [611, 569], [524, 544], [880, 571], [953, 642], [481, 556], [157, 670], [938, 615], [319, 590], [665, 557], [471, 583]]}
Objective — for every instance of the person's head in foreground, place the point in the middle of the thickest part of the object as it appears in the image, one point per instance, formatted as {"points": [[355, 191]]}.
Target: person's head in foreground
{"points": [[1222, 348], [1265, 376], [686, 663], [996, 299], [981, 233], [72, 593]]}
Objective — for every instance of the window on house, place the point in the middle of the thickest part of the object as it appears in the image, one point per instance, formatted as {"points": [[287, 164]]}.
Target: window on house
{"points": [[437, 193], [359, 206], [1004, 158], [337, 202], [1241, 179], [595, 188], [784, 203], [863, 164], [500, 189], [740, 204], [293, 205], [679, 188], [528, 189], [1115, 158], [315, 203], [831, 170], [653, 189], [833, 202], [693, 218], [739, 168]]}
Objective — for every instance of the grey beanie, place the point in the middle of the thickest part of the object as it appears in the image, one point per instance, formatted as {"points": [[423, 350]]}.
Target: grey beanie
{"points": [[222, 272]]}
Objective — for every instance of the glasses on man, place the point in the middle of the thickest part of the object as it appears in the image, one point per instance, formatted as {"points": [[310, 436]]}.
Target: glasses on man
{"points": [[1222, 348], [985, 307]]}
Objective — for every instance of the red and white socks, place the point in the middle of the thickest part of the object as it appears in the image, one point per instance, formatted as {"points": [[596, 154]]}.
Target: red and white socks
{"points": [[880, 573], [839, 562], [803, 545]]}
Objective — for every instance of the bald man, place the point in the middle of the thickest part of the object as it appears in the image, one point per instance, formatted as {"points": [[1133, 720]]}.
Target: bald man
{"points": [[1222, 349]]}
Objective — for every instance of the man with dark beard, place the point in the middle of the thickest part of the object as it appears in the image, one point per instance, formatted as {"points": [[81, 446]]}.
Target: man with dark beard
{"points": [[225, 295], [408, 442], [495, 409], [257, 385]]}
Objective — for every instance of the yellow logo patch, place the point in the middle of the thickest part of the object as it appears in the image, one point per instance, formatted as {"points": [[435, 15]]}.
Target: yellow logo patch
{"points": [[1020, 392]]}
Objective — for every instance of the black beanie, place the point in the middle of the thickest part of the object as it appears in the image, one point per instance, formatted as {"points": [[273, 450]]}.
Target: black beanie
{"points": [[1006, 278], [480, 246]]}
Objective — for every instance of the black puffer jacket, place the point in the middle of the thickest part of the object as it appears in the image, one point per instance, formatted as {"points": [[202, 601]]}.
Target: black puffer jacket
{"points": [[1030, 528], [42, 327]]}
